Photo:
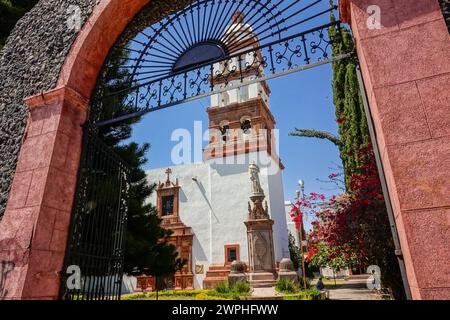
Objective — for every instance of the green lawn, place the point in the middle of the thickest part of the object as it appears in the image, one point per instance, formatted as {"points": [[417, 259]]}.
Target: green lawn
{"points": [[184, 295], [329, 282]]}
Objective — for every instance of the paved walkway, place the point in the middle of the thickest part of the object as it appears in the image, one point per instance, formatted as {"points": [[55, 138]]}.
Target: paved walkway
{"points": [[353, 289], [267, 293]]}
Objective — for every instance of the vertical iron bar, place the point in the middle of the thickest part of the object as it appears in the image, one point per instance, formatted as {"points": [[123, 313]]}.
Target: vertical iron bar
{"points": [[185, 85], [307, 59], [102, 243], [271, 59], [160, 92], [241, 76], [64, 290], [212, 77]]}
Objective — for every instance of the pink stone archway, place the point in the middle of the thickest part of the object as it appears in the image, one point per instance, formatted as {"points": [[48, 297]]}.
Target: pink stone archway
{"points": [[406, 70], [34, 228], [408, 100]]}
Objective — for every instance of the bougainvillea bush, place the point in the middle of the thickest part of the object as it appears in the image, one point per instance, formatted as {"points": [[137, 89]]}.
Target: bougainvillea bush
{"points": [[352, 230]]}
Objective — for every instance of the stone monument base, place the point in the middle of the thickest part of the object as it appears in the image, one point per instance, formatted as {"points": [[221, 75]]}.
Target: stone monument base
{"points": [[287, 271], [288, 275], [262, 279], [237, 273]]}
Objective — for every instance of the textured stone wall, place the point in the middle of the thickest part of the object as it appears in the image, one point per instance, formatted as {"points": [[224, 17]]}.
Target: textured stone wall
{"points": [[29, 64], [32, 58]]}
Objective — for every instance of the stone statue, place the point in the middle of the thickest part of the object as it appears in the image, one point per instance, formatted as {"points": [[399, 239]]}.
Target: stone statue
{"points": [[257, 211], [254, 178]]}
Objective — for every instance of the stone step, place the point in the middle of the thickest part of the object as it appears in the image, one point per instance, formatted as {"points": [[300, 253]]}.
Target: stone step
{"points": [[215, 278], [218, 268], [217, 274], [212, 282], [262, 283]]}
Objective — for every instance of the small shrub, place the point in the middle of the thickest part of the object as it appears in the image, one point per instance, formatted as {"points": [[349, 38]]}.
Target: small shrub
{"points": [[241, 287], [286, 286], [222, 287]]}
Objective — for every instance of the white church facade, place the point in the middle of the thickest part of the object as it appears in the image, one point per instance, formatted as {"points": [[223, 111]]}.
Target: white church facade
{"points": [[206, 204]]}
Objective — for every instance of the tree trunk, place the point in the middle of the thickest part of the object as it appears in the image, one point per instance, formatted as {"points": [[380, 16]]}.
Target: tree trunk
{"points": [[157, 287], [334, 276]]}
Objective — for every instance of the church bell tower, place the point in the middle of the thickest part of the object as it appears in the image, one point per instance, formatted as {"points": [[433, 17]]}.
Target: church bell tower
{"points": [[240, 120]]}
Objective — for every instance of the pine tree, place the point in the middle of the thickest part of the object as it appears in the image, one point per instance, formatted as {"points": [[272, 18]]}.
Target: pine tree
{"points": [[147, 250], [10, 12]]}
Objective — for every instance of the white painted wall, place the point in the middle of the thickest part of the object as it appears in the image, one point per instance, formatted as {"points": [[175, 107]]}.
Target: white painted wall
{"points": [[216, 206], [236, 95]]}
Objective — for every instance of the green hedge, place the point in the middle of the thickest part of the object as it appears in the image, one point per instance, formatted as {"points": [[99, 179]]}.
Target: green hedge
{"points": [[309, 294], [194, 294]]}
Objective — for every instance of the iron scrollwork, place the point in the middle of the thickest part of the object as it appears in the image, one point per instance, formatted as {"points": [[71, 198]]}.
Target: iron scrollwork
{"points": [[270, 60]]}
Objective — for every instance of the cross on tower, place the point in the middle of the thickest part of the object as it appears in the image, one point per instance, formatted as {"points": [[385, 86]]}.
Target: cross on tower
{"points": [[168, 172], [238, 17]]}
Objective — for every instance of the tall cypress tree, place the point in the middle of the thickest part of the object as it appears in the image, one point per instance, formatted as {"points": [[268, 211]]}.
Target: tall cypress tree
{"points": [[353, 138], [349, 108]]}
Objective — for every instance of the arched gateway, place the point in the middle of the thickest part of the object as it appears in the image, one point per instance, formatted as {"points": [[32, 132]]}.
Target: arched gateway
{"points": [[405, 66]]}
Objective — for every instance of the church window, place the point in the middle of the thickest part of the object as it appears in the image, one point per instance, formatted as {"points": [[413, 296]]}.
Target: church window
{"points": [[225, 132], [167, 205], [231, 253], [246, 126]]}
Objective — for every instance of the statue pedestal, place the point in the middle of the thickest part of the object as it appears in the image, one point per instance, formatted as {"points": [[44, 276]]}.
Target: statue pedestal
{"points": [[259, 236], [287, 271], [262, 267]]}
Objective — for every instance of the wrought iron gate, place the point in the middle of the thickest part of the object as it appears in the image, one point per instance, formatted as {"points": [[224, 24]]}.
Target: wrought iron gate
{"points": [[206, 48], [95, 250], [213, 46]]}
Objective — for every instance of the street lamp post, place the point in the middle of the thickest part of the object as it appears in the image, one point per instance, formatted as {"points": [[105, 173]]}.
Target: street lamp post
{"points": [[301, 184]]}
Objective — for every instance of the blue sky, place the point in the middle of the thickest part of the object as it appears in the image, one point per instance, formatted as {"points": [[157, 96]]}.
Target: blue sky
{"points": [[302, 100]]}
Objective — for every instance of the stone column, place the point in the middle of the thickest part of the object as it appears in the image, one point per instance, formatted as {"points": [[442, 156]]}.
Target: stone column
{"points": [[34, 228], [406, 70]]}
